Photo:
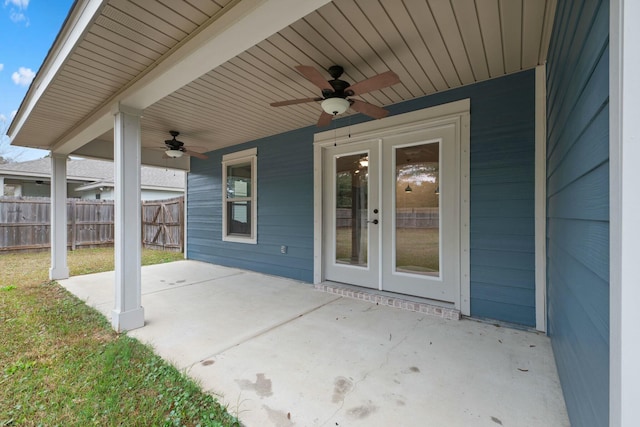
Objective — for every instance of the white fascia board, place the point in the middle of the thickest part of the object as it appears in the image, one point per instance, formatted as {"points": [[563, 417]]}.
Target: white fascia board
{"points": [[235, 29], [156, 188], [93, 185], [84, 12], [24, 174]]}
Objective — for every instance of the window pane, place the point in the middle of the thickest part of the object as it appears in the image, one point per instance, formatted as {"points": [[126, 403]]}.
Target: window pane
{"points": [[352, 188], [239, 218], [239, 180], [417, 233]]}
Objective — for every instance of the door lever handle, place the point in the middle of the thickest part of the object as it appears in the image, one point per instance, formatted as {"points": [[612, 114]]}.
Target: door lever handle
{"points": [[375, 221]]}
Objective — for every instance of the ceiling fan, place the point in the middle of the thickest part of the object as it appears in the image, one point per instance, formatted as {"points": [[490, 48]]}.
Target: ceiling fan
{"points": [[336, 93], [175, 148]]}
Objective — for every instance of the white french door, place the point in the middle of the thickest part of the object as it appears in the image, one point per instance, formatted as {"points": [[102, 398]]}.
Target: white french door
{"points": [[351, 209], [391, 210]]}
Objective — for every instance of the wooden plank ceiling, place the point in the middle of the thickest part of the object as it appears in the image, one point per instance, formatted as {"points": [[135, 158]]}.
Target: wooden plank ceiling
{"points": [[433, 45]]}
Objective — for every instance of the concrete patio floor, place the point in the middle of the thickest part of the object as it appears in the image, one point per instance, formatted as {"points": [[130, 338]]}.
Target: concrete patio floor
{"points": [[280, 353]]}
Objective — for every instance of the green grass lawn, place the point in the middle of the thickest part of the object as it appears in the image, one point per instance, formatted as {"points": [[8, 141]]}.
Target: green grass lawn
{"points": [[417, 249], [62, 364]]}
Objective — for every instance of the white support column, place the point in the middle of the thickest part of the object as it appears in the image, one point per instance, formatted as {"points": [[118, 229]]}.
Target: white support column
{"points": [[58, 228], [128, 312], [1, 186], [624, 157]]}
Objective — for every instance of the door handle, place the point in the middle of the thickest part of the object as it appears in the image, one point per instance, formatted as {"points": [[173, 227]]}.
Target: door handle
{"points": [[375, 221]]}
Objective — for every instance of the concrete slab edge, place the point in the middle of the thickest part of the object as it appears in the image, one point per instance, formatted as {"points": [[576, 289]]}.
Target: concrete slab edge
{"points": [[372, 297]]}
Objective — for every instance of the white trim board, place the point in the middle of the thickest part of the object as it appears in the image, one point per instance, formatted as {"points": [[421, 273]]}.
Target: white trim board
{"points": [[457, 112], [541, 198], [624, 210]]}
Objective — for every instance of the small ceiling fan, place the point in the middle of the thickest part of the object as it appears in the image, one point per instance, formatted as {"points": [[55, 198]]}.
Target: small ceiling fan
{"points": [[336, 93], [175, 148]]}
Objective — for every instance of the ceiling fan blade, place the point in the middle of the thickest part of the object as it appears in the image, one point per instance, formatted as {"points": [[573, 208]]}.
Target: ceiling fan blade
{"points": [[314, 77], [380, 81], [194, 154], [294, 101], [369, 109], [325, 119]]}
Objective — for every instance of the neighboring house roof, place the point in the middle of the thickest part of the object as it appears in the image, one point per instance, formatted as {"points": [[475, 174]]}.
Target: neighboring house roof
{"points": [[95, 173]]}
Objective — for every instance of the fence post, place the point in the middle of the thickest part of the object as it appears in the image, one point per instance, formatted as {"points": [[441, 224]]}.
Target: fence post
{"points": [[73, 224], [181, 218]]}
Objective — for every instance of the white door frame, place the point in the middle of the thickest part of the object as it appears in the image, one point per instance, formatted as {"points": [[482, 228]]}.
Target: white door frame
{"points": [[454, 112]]}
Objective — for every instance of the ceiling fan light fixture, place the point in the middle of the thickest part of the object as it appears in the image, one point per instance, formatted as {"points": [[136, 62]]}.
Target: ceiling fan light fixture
{"points": [[335, 106], [174, 154]]}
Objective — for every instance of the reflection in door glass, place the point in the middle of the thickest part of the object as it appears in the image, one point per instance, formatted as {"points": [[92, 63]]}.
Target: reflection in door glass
{"points": [[352, 190], [417, 233]]}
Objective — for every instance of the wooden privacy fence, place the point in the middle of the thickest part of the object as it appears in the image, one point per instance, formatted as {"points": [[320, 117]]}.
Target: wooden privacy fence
{"points": [[25, 223], [405, 217]]}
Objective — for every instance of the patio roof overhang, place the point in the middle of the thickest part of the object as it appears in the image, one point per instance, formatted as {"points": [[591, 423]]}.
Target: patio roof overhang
{"points": [[210, 69]]}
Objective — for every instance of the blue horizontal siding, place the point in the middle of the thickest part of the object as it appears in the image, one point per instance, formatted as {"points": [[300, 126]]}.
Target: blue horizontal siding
{"points": [[578, 207], [502, 199], [285, 209]]}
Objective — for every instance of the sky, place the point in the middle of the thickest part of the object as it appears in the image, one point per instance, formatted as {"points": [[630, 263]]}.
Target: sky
{"points": [[28, 28]]}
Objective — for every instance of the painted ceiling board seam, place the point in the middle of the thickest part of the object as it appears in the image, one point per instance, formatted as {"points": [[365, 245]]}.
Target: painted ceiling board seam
{"points": [[445, 21], [121, 51], [130, 36], [410, 52], [167, 15], [139, 13], [401, 48], [479, 67], [363, 47], [136, 25], [406, 79]]}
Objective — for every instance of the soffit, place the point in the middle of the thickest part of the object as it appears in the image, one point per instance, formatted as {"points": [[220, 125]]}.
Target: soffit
{"points": [[127, 38], [433, 45]]}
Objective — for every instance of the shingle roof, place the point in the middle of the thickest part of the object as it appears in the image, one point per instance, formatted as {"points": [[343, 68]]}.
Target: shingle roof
{"points": [[90, 170]]}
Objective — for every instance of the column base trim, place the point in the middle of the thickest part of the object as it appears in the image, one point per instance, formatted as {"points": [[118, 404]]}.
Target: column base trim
{"points": [[123, 321], [58, 273]]}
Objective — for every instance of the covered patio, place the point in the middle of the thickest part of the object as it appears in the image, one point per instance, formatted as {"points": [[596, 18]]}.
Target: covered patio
{"points": [[540, 146], [278, 353]]}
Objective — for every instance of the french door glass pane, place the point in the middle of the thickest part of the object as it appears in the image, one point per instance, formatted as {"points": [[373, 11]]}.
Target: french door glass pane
{"points": [[352, 194], [417, 231]]}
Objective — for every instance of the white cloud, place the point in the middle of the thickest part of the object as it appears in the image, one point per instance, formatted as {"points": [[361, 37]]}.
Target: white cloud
{"points": [[13, 114], [23, 76], [22, 4], [3, 118], [18, 17], [1, 67], [16, 12]]}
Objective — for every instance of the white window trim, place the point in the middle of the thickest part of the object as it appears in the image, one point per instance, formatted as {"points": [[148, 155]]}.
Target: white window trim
{"points": [[250, 155]]}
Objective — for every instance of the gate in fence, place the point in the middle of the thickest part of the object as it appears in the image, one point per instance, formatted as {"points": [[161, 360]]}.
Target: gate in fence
{"points": [[163, 225]]}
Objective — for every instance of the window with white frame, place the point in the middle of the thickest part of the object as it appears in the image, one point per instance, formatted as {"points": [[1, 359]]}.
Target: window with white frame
{"points": [[239, 201]]}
